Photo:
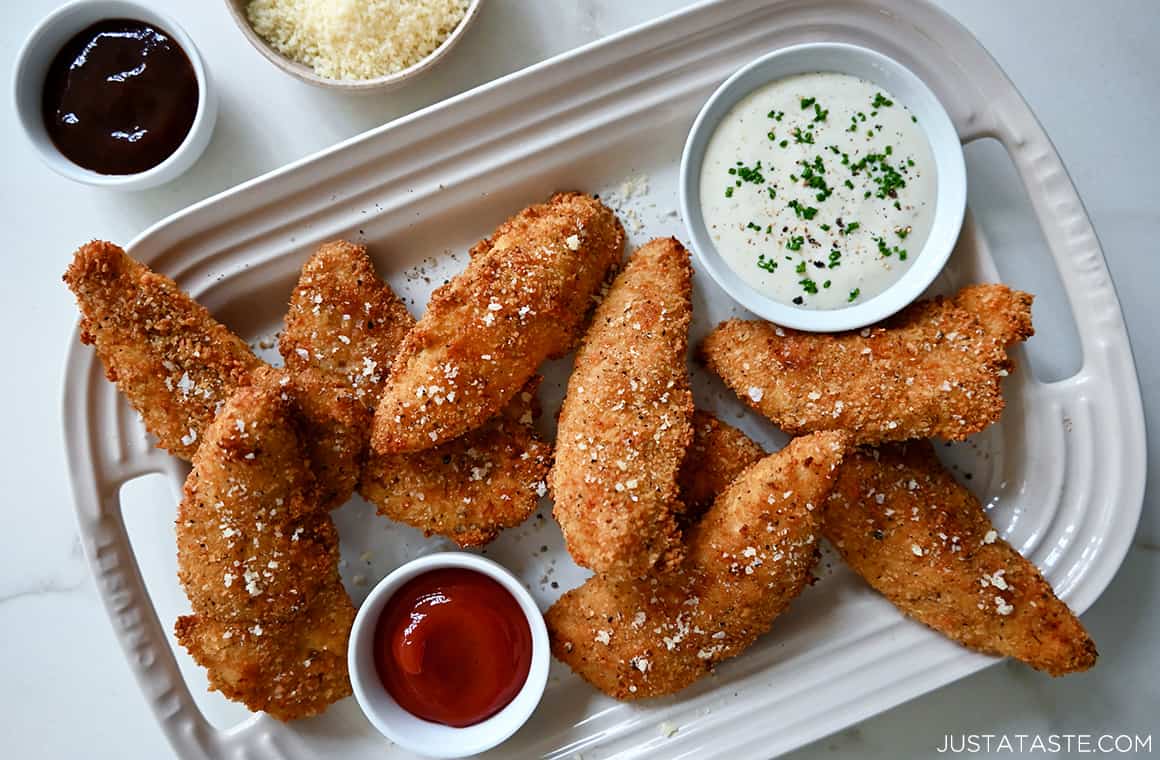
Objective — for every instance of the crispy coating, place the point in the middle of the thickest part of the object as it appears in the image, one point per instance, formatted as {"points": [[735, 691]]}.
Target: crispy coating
{"points": [[336, 427], [933, 370], [290, 670], [1004, 313], [258, 557], [626, 421], [470, 488], [174, 362], [923, 541], [238, 562], [342, 329], [753, 552], [344, 320], [717, 455], [467, 489], [522, 299], [252, 544]]}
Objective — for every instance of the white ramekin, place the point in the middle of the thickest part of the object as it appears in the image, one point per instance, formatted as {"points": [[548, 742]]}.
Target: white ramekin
{"points": [[37, 53], [421, 736], [951, 183]]}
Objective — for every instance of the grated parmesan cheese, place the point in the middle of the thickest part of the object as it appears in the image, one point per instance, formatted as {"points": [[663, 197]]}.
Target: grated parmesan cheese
{"points": [[355, 39]]}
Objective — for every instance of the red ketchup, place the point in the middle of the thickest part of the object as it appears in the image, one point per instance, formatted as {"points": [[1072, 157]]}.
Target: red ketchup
{"points": [[453, 646]]}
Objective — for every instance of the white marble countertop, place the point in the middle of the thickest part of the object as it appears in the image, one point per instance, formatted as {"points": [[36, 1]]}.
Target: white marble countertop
{"points": [[1089, 71]]}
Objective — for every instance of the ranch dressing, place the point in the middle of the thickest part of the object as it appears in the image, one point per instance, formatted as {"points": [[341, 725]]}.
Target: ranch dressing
{"points": [[819, 190]]}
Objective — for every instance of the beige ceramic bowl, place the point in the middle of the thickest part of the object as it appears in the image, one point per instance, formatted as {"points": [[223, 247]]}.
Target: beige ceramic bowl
{"points": [[306, 74]]}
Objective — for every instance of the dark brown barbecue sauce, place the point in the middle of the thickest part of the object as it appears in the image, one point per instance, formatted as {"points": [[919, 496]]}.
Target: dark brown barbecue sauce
{"points": [[120, 97]]}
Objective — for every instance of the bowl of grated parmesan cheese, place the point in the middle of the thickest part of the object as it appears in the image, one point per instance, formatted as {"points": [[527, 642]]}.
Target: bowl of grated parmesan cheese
{"points": [[356, 46]]}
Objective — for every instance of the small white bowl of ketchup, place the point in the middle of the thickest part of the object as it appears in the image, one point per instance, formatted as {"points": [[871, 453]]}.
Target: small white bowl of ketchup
{"points": [[449, 655]]}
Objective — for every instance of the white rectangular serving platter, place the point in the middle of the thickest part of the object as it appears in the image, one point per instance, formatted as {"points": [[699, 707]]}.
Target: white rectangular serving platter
{"points": [[1062, 473]]}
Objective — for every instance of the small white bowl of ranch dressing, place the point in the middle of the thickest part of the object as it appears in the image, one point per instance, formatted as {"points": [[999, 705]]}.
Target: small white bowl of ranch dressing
{"points": [[823, 186]]}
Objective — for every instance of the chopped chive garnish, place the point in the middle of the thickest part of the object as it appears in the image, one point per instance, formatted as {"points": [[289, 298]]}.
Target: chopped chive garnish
{"points": [[888, 250], [803, 212], [801, 137], [751, 173]]}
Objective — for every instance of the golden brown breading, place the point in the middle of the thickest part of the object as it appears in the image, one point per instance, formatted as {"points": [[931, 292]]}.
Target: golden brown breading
{"points": [[290, 670], [258, 557], [717, 455], [932, 370], [748, 558], [626, 421], [225, 553], [343, 319], [251, 541], [522, 299], [174, 362], [472, 487], [336, 428], [342, 329], [1004, 313], [903, 523]]}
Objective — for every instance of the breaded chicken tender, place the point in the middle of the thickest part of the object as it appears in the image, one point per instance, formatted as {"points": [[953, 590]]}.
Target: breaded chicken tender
{"points": [[626, 421], [933, 370], [174, 362], [522, 299], [923, 541], [344, 327], [718, 454], [472, 487], [290, 670], [258, 557], [342, 330], [344, 320], [753, 552]]}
